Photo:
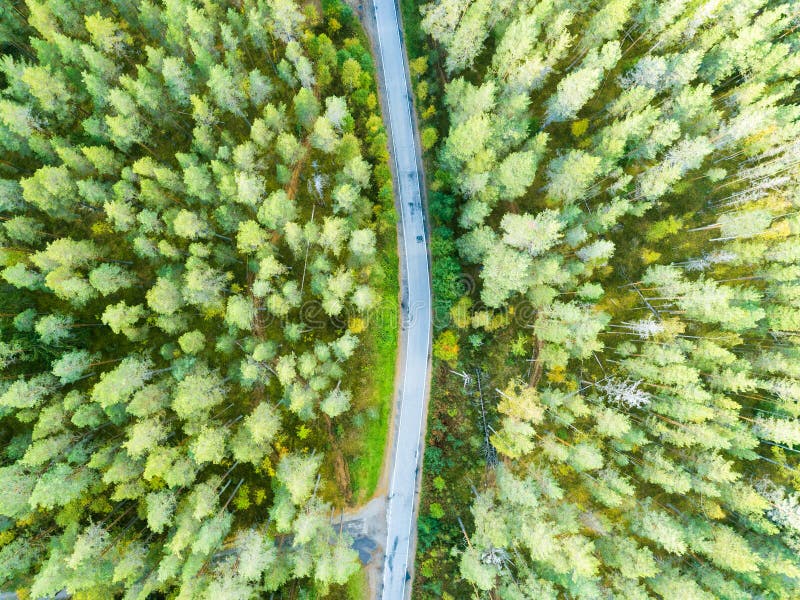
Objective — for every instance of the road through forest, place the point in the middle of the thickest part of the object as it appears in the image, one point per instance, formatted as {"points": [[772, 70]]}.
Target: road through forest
{"points": [[411, 409]]}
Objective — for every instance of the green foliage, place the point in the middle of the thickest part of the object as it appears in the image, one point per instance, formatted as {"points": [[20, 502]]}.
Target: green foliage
{"points": [[429, 137], [169, 204], [446, 347], [624, 197]]}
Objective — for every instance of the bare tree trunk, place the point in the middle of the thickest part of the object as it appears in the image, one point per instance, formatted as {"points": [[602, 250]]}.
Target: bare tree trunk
{"points": [[536, 364]]}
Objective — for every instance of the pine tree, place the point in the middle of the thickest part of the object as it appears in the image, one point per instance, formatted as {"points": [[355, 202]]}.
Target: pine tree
{"points": [[642, 257], [154, 219]]}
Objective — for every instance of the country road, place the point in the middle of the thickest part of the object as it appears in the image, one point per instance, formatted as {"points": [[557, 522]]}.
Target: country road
{"points": [[411, 409]]}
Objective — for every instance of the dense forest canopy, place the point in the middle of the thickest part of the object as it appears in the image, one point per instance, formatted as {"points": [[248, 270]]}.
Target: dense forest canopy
{"points": [[621, 178], [187, 252]]}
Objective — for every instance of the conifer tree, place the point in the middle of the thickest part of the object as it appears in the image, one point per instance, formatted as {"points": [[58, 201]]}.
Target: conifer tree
{"points": [[163, 195], [633, 242]]}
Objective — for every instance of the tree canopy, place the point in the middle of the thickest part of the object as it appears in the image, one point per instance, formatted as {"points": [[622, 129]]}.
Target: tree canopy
{"points": [[623, 184], [182, 185]]}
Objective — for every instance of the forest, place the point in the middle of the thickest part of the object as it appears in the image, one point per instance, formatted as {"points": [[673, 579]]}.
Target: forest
{"points": [[614, 210], [200, 298], [196, 226]]}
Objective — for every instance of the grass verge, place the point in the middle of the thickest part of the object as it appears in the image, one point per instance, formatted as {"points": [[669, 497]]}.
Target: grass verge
{"points": [[358, 586], [379, 349], [412, 27], [363, 441]]}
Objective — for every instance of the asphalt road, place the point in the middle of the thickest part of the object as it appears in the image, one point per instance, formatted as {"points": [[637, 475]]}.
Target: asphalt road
{"points": [[411, 413]]}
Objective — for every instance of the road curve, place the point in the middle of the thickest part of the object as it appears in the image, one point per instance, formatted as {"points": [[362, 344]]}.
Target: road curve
{"points": [[411, 407]]}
